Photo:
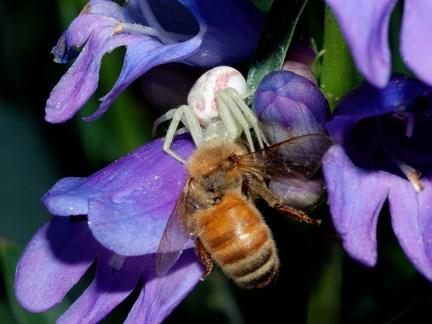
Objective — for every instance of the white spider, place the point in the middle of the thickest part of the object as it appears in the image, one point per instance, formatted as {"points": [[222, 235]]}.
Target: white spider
{"points": [[215, 111]]}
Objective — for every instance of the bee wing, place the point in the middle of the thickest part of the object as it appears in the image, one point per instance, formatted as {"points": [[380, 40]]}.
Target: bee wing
{"points": [[175, 236], [296, 157]]}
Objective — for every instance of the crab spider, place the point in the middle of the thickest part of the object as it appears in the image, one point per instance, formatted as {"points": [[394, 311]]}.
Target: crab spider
{"points": [[215, 111]]}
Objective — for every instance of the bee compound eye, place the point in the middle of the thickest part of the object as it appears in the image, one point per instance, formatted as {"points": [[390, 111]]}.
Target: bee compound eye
{"points": [[211, 189]]}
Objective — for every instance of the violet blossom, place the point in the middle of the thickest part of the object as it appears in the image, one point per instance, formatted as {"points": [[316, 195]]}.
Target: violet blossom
{"points": [[383, 153], [365, 25], [114, 218], [289, 105], [202, 33]]}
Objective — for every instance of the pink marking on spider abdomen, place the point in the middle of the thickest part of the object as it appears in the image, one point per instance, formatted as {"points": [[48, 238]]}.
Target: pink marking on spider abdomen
{"points": [[202, 94]]}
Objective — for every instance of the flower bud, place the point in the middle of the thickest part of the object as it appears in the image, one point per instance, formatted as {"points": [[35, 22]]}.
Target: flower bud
{"points": [[289, 105]]}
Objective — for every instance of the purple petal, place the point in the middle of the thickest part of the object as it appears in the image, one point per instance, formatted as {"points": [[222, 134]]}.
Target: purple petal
{"points": [[300, 69], [303, 194], [368, 101], [142, 51], [60, 200], [415, 44], [80, 81], [353, 208], [132, 226], [130, 221], [53, 262], [290, 105], [411, 214], [220, 39], [302, 53], [108, 289], [229, 31], [128, 202], [364, 24], [160, 295]]}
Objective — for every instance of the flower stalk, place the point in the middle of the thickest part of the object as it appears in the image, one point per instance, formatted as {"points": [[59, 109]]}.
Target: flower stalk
{"points": [[325, 295], [338, 73]]}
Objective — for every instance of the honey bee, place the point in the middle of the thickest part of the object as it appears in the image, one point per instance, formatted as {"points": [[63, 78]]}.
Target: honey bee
{"points": [[216, 207]]}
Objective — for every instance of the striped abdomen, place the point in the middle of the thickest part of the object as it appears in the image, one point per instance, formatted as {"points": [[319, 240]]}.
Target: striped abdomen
{"points": [[238, 239]]}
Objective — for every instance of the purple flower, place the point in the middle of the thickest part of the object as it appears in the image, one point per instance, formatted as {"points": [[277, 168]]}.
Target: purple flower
{"points": [[289, 105], [203, 33], [114, 218], [365, 25], [383, 153], [300, 59]]}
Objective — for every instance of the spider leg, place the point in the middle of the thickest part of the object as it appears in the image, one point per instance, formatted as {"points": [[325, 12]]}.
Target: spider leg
{"points": [[183, 114], [176, 116], [167, 116], [228, 121], [191, 122], [250, 116], [227, 106], [182, 130]]}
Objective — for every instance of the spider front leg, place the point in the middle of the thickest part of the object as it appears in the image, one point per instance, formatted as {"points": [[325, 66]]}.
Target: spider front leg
{"points": [[183, 114], [249, 115], [234, 111]]}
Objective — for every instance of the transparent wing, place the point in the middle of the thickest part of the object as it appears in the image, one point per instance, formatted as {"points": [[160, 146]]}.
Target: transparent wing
{"points": [[175, 236], [297, 157]]}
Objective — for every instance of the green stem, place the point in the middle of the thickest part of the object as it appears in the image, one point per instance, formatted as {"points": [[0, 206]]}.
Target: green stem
{"points": [[325, 280], [338, 72], [338, 76]]}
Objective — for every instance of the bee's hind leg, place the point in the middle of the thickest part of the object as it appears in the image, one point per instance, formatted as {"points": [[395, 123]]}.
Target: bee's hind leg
{"points": [[205, 258]]}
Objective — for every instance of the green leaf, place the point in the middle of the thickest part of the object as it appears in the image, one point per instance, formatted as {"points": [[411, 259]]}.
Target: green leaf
{"points": [[68, 10], [9, 255], [263, 5], [6, 313], [275, 39], [325, 295], [338, 72]]}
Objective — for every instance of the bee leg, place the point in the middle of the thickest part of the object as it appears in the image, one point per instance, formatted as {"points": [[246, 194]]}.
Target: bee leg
{"points": [[259, 188], [204, 257], [245, 188], [296, 214]]}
